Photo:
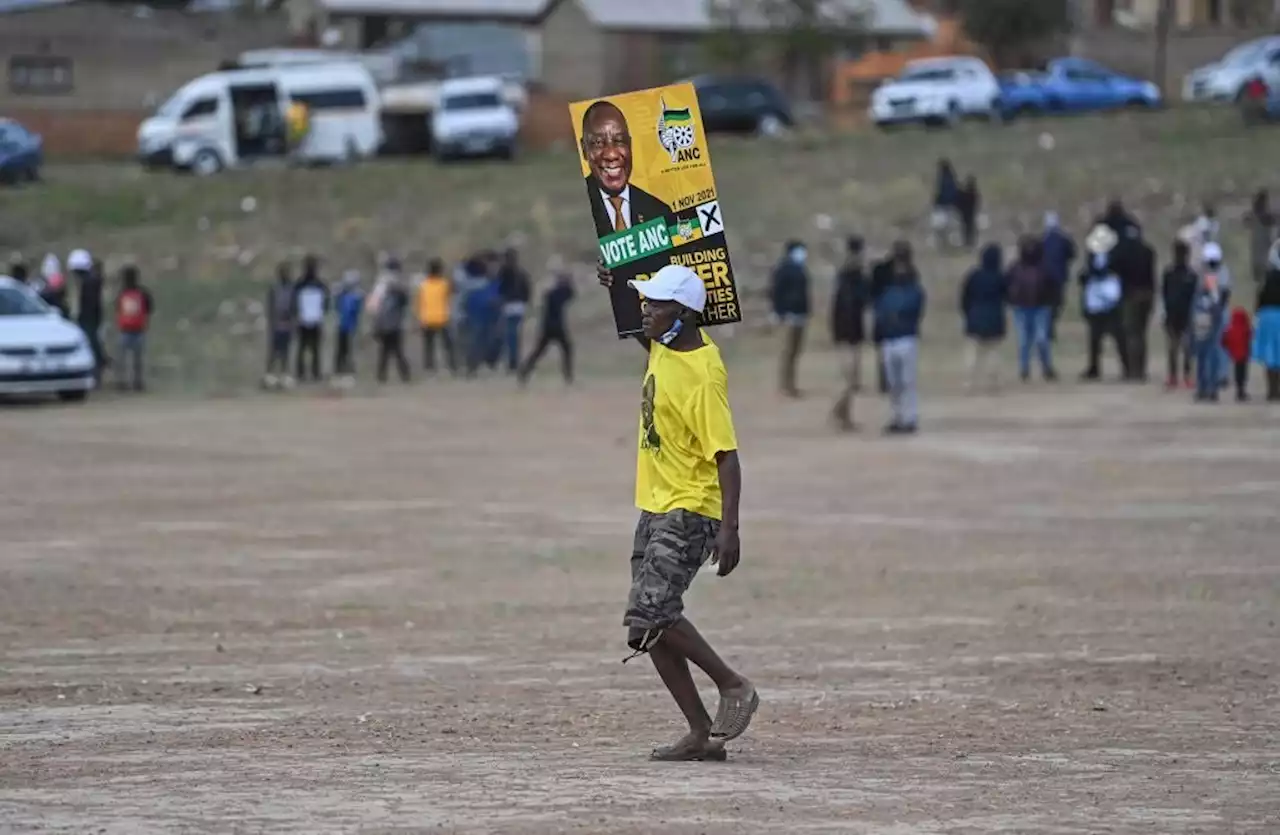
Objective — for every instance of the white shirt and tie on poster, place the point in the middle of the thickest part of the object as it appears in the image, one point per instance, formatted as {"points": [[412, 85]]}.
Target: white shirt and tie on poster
{"points": [[619, 209]]}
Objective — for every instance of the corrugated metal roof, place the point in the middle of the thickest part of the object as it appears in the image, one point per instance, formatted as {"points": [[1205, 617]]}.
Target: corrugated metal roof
{"points": [[513, 9], [884, 17], [7, 6]]}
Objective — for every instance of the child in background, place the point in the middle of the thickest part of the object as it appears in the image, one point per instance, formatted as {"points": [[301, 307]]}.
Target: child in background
{"points": [[1178, 290], [134, 307], [1206, 325], [1238, 339], [349, 305]]}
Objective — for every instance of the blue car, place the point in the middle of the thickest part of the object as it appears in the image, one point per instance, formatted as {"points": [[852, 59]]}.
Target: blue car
{"points": [[21, 153], [1073, 85]]}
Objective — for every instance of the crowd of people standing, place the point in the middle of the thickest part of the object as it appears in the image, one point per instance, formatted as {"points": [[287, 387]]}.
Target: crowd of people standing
{"points": [[467, 321], [85, 279], [1210, 340]]}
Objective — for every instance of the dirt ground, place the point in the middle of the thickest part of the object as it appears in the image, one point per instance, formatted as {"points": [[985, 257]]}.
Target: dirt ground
{"points": [[1051, 612]]}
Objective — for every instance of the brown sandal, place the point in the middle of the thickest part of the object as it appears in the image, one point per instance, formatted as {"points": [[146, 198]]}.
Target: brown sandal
{"points": [[736, 710]]}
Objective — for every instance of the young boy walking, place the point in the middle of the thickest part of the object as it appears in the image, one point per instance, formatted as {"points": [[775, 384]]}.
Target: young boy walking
{"points": [[133, 317], [1237, 338], [555, 328], [688, 483]]}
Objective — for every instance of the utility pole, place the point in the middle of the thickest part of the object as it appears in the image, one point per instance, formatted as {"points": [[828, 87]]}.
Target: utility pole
{"points": [[1164, 21]]}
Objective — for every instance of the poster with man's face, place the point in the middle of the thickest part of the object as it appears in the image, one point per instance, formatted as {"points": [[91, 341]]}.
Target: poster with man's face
{"points": [[653, 198]]}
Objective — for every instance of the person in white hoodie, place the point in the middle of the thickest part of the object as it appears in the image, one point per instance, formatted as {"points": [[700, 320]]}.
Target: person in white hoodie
{"points": [[52, 286], [312, 304], [1214, 265]]}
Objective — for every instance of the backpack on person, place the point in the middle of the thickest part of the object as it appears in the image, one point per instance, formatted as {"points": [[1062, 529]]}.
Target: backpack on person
{"points": [[1027, 286], [131, 311]]}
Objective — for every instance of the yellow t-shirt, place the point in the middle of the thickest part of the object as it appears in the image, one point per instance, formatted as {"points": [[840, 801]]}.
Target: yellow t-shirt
{"points": [[684, 421]]}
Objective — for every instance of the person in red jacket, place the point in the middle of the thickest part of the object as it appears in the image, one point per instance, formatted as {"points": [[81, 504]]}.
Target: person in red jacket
{"points": [[133, 316], [1238, 339]]}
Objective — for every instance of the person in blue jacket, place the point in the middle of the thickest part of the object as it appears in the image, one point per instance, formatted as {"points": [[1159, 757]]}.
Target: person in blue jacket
{"points": [[349, 304], [898, 313], [1059, 252], [482, 304], [982, 302], [789, 294]]}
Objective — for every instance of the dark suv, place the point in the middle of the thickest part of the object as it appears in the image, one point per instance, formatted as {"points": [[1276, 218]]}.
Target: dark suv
{"points": [[742, 105]]}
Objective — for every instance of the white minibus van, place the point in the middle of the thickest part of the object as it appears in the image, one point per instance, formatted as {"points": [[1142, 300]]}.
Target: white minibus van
{"points": [[235, 117]]}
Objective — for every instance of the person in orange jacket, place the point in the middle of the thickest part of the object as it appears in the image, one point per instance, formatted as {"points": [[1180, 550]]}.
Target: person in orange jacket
{"points": [[434, 308], [1237, 339]]}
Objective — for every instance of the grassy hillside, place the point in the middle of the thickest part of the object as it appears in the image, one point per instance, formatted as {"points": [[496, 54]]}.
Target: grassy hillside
{"points": [[208, 259]]}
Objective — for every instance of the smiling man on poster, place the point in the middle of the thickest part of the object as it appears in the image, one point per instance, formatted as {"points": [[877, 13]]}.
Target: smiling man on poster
{"points": [[616, 204]]}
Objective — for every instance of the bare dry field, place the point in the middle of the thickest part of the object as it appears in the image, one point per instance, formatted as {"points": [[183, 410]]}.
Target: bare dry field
{"points": [[1052, 612]]}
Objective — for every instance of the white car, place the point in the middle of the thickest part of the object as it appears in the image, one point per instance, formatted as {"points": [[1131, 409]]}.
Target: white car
{"points": [[473, 117], [1226, 79], [937, 91], [40, 352]]}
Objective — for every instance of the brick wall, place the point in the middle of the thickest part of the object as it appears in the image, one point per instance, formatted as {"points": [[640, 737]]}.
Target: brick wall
{"points": [[545, 121], [84, 133]]}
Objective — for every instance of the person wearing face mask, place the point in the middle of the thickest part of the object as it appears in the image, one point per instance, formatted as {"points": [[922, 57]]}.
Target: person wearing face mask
{"points": [[791, 306], [688, 487]]}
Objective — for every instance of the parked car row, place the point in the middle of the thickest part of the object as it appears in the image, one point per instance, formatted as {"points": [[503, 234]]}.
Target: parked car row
{"points": [[1072, 85], [242, 114], [946, 90]]}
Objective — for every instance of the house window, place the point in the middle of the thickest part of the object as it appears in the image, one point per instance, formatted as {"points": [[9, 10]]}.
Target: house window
{"points": [[40, 75]]}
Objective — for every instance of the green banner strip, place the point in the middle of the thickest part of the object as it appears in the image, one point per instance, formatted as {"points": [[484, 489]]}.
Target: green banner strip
{"points": [[638, 242]]}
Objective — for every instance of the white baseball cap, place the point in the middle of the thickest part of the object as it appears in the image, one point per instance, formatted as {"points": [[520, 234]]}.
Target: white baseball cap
{"points": [[1212, 252], [674, 283], [80, 259]]}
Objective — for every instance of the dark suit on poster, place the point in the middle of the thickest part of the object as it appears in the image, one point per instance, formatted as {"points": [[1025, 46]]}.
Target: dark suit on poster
{"points": [[641, 206]]}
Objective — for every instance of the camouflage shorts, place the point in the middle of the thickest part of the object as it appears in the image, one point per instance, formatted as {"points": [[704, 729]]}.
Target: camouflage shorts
{"points": [[669, 550]]}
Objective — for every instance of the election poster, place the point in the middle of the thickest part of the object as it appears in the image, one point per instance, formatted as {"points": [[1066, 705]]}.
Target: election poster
{"points": [[653, 198]]}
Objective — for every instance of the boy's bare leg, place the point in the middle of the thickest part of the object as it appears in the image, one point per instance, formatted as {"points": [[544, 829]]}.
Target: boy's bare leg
{"points": [[678, 678], [738, 698]]}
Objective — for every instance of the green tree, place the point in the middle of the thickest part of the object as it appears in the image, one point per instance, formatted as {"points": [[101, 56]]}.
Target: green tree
{"points": [[799, 37], [1011, 29]]}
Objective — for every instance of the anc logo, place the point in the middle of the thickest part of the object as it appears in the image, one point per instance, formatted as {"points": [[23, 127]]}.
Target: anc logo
{"points": [[676, 133], [649, 437]]}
